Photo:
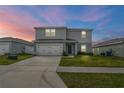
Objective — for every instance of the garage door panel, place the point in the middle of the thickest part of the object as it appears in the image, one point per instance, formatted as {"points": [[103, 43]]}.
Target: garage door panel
{"points": [[49, 49], [4, 49]]}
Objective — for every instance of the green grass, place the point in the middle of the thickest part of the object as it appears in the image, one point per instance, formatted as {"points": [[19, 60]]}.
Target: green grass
{"points": [[93, 80], [5, 61], [92, 61]]}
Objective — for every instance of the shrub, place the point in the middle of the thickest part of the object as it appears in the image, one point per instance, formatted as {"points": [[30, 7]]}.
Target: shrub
{"points": [[13, 56], [84, 53], [65, 54]]}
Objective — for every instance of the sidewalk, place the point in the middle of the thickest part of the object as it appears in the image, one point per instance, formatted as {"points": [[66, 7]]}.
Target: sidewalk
{"points": [[90, 69]]}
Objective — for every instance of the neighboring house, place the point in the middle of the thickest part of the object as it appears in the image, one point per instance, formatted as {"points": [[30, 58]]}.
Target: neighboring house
{"points": [[116, 46], [62, 40], [16, 46]]}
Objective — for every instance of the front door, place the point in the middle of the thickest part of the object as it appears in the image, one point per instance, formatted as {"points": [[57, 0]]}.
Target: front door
{"points": [[69, 49]]}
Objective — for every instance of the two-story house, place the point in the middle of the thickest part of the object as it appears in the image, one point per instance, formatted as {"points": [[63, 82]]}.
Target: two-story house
{"points": [[59, 40]]}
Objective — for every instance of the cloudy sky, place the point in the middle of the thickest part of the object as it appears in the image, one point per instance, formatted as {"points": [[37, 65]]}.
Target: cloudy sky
{"points": [[18, 21]]}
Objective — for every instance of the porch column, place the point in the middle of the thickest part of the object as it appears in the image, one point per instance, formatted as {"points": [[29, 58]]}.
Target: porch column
{"points": [[76, 49], [64, 47]]}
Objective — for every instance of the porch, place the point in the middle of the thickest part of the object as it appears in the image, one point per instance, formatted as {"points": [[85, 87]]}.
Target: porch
{"points": [[71, 47]]}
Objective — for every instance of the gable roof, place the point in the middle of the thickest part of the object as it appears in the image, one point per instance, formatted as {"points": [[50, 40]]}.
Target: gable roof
{"points": [[110, 42]]}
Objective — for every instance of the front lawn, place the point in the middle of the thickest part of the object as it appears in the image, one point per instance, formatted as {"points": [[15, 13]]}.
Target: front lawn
{"points": [[5, 61], [92, 80], [92, 61]]}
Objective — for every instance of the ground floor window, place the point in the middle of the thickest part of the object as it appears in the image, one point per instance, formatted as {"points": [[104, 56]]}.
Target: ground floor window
{"points": [[83, 48], [98, 50]]}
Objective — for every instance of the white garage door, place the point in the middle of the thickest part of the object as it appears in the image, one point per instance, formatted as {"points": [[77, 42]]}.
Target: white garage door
{"points": [[4, 48], [49, 49]]}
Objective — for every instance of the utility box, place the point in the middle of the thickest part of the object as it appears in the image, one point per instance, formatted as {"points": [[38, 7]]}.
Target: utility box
{"points": [[13, 56]]}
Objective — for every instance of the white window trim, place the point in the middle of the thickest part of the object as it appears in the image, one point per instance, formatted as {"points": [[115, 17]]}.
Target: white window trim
{"points": [[47, 32], [83, 49], [83, 34], [50, 32], [53, 32], [98, 50]]}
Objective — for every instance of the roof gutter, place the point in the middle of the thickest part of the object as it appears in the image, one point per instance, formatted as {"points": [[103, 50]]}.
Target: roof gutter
{"points": [[108, 44]]}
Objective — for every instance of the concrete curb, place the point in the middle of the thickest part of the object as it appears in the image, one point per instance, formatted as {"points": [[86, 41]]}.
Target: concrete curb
{"points": [[90, 69]]}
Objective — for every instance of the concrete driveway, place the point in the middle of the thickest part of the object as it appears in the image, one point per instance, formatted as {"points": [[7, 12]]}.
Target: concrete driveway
{"points": [[36, 72]]}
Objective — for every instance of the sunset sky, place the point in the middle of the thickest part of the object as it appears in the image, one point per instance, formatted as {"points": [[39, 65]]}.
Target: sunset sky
{"points": [[18, 21]]}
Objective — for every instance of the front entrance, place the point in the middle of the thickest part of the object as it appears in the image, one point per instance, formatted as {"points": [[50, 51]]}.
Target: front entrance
{"points": [[70, 49]]}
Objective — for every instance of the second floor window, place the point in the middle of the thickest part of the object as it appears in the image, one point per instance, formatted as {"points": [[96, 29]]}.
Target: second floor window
{"points": [[47, 32], [53, 32], [50, 32], [83, 34]]}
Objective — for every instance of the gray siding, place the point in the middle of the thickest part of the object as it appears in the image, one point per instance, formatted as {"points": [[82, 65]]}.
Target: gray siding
{"points": [[76, 35], [60, 34], [17, 47], [4, 47], [117, 49], [29, 49]]}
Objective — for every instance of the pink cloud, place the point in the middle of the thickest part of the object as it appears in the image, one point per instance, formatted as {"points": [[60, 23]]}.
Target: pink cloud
{"points": [[20, 24], [17, 25], [57, 15], [11, 30]]}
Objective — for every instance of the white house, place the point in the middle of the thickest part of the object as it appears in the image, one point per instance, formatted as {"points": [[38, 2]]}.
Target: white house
{"points": [[114, 45]]}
